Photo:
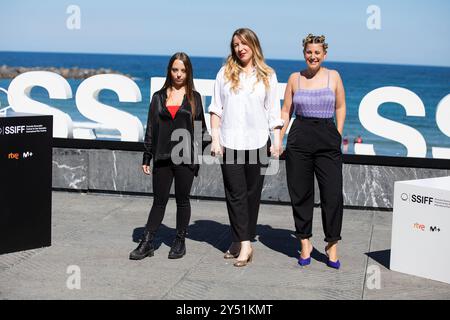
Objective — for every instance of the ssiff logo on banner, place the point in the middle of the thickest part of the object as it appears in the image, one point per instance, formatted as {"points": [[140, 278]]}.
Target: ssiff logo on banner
{"points": [[12, 130], [415, 198]]}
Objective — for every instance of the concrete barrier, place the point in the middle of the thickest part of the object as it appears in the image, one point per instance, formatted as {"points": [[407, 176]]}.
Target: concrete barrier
{"points": [[118, 171]]}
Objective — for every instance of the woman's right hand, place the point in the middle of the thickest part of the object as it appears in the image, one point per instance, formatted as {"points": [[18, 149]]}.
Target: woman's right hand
{"points": [[146, 169], [216, 149]]}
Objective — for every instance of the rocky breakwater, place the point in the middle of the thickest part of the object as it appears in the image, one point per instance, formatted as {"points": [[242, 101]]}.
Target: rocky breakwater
{"points": [[8, 72]]}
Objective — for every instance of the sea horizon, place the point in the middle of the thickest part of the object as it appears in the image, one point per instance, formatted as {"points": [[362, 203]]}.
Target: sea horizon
{"points": [[217, 57]]}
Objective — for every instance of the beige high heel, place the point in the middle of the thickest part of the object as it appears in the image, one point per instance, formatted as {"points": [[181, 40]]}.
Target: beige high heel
{"points": [[230, 255], [243, 263]]}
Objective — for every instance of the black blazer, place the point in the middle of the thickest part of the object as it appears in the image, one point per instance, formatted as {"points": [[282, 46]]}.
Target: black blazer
{"points": [[160, 126]]}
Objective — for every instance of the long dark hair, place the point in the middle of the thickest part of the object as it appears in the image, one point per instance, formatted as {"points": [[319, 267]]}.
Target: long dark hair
{"points": [[183, 57]]}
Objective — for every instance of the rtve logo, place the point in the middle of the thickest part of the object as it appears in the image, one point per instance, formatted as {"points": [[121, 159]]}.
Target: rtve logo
{"points": [[423, 228], [16, 155], [415, 198], [13, 156]]}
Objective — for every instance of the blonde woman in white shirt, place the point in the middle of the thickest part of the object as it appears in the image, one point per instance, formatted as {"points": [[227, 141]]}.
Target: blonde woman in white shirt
{"points": [[244, 107]]}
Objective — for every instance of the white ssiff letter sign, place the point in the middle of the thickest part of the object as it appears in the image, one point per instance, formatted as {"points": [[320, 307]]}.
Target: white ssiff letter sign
{"points": [[131, 128]]}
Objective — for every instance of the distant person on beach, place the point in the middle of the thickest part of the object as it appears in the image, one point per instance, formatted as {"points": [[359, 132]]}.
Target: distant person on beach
{"points": [[244, 107], [345, 144], [176, 106], [315, 95]]}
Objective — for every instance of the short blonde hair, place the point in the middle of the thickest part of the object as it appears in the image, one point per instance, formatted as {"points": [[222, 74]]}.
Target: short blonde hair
{"points": [[310, 38]]}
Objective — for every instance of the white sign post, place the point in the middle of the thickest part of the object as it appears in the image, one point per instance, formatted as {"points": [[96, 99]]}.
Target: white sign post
{"points": [[421, 228]]}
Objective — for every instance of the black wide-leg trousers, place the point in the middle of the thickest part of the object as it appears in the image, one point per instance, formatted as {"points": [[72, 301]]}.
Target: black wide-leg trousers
{"points": [[314, 147], [243, 176]]}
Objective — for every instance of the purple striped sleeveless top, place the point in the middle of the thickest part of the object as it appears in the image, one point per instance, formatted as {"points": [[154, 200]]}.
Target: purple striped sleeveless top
{"points": [[314, 103]]}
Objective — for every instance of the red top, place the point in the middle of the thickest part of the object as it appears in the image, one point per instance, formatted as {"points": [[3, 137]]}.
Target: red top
{"points": [[173, 110]]}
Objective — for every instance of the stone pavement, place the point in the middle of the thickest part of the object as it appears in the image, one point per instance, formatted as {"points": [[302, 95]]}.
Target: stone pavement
{"points": [[96, 232]]}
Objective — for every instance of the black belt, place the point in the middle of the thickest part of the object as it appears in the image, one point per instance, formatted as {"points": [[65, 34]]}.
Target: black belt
{"points": [[297, 117]]}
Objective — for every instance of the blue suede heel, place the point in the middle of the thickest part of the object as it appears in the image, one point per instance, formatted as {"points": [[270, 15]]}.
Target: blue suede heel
{"points": [[332, 264], [304, 262], [307, 261]]}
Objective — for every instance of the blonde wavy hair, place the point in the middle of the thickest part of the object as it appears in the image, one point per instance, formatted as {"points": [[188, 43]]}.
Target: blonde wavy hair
{"points": [[310, 38], [233, 64]]}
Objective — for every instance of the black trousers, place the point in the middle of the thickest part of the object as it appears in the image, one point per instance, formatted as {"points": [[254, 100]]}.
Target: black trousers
{"points": [[164, 172], [314, 147], [243, 181]]}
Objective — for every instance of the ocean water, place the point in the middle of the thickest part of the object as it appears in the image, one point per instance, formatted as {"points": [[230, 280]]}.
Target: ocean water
{"points": [[431, 84]]}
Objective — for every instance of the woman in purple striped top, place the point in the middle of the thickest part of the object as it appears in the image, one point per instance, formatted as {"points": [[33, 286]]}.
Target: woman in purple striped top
{"points": [[316, 95]]}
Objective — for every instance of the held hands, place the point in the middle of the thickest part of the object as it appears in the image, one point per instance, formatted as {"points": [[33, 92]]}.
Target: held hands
{"points": [[146, 169], [276, 149]]}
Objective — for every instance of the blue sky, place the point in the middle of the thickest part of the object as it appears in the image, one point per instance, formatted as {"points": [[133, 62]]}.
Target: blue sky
{"points": [[412, 32]]}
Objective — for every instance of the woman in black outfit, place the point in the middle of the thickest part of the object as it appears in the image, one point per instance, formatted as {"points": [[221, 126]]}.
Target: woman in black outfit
{"points": [[177, 106]]}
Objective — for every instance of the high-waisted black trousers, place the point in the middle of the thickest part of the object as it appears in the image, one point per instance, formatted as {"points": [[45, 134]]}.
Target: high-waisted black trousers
{"points": [[314, 147], [243, 176], [164, 172]]}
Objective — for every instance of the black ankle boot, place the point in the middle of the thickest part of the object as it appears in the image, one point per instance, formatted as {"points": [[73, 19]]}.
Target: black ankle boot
{"points": [[178, 249], [145, 247]]}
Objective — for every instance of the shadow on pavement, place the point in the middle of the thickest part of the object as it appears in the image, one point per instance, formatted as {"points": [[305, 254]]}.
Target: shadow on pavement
{"points": [[383, 257], [218, 236]]}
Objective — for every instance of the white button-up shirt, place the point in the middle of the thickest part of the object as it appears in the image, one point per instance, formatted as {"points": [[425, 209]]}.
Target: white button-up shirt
{"points": [[246, 115]]}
